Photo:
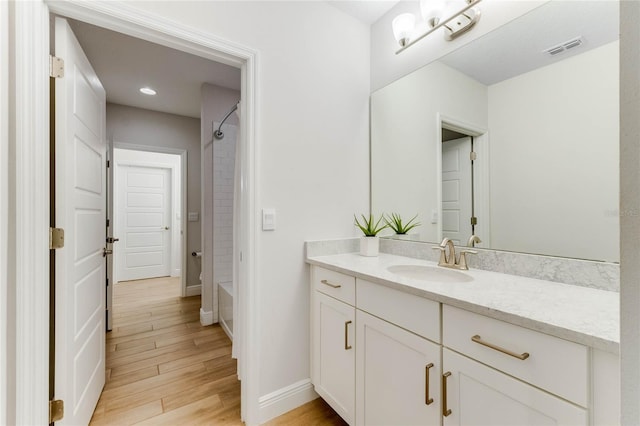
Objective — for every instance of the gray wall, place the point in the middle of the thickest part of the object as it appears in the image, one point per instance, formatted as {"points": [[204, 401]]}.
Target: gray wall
{"points": [[143, 127]]}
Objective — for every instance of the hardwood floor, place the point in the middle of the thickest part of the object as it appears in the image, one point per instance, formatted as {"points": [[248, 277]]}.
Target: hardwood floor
{"points": [[164, 368]]}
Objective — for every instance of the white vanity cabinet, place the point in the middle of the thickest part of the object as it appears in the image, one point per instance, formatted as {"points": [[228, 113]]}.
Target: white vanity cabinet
{"points": [[479, 395], [333, 331], [397, 357], [381, 356], [397, 375]]}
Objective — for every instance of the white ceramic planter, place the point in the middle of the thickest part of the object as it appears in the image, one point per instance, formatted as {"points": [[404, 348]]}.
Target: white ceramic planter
{"points": [[369, 246]]}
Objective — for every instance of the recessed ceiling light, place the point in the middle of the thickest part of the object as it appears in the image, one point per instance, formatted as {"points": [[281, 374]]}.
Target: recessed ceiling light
{"points": [[147, 91]]}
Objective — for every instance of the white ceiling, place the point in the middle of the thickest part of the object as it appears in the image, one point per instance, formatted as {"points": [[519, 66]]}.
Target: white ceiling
{"points": [[367, 11], [519, 46], [125, 64]]}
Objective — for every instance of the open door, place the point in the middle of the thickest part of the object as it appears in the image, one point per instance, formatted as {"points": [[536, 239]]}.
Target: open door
{"points": [[457, 190], [80, 193]]}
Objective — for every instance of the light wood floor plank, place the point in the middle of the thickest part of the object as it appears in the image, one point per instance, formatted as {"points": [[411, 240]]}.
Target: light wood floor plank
{"points": [[165, 368]]}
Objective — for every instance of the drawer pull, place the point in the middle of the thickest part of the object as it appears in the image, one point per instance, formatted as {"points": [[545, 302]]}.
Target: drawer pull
{"points": [[445, 411], [347, 346], [478, 339], [427, 400], [325, 282]]}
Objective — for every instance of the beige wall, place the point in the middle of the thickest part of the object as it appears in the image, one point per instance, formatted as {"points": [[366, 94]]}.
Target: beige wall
{"points": [[143, 127]]}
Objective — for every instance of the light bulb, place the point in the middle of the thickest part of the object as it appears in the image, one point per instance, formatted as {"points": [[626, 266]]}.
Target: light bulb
{"points": [[403, 26], [432, 11]]}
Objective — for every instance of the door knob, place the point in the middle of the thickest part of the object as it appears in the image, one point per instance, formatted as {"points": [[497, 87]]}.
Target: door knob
{"points": [[106, 251], [166, 228]]}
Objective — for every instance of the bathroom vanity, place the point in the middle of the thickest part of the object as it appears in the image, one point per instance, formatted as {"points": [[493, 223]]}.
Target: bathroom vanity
{"points": [[394, 340]]}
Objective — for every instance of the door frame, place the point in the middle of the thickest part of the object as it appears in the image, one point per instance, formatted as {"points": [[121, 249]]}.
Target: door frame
{"points": [[31, 96], [183, 201], [480, 171]]}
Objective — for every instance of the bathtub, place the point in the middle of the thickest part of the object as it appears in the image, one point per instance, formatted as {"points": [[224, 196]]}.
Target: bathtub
{"points": [[225, 307]]}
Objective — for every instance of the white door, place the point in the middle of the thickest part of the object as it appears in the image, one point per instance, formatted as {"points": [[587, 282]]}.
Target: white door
{"points": [[397, 375], [479, 395], [80, 191], [144, 204], [456, 190]]}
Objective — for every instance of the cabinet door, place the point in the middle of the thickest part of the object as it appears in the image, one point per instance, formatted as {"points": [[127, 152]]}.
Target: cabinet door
{"points": [[397, 375], [334, 354], [479, 395]]}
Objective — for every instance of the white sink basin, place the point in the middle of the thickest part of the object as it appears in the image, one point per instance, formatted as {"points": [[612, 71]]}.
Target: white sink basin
{"points": [[430, 273]]}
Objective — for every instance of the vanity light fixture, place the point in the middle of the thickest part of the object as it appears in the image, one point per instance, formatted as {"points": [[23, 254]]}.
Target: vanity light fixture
{"points": [[147, 91], [455, 16]]}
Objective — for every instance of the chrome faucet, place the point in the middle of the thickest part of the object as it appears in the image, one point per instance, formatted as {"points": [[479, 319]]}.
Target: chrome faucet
{"points": [[448, 257], [473, 240]]}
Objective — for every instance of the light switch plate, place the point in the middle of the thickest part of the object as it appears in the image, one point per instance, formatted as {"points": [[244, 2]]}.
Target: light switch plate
{"points": [[268, 219]]}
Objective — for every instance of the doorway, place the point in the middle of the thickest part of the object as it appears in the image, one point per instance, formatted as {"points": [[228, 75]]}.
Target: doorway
{"points": [[245, 62], [463, 182]]}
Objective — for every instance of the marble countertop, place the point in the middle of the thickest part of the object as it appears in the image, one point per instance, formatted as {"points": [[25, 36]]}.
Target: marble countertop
{"points": [[579, 314]]}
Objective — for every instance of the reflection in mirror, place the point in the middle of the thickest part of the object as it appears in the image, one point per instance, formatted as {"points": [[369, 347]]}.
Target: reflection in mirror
{"points": [[544, 127]]}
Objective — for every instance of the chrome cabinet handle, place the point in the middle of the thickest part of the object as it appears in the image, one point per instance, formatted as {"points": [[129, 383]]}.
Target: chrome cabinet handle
{"points": [[445, 411], [478, 339], [427, 400], [325, 282], [347, 346]]}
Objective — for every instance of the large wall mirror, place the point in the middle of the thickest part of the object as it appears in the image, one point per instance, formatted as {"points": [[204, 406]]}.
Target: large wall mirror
{"points": [[537, 101]]}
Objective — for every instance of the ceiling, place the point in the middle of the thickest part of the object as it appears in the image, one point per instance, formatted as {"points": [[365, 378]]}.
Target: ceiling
{"points": [[520, 45], [125, 64]]}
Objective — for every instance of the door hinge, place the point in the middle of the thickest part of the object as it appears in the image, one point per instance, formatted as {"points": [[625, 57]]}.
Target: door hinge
{"points": [[56, 67], [474, 220], [56, 238], [108, 164], [56, 410], [108, 223], [473, 156]]}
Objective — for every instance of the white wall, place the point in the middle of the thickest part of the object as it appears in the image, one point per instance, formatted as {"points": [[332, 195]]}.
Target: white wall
{"points": [[4, 203], [386, 66], [312, 138], [546, 117], [143, 127], [404, 130], [216, 103], [630, 210]]}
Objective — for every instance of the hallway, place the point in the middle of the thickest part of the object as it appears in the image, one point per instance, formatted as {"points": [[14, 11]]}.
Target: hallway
{"points": [[162, 366]]}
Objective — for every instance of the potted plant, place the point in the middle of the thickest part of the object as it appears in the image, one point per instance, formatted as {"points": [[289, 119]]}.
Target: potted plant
{"points": [[370, 243], [394, 221]]}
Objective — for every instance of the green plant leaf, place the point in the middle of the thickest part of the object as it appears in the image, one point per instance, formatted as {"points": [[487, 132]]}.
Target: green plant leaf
{"points": [[394, 221], [369, 226]]}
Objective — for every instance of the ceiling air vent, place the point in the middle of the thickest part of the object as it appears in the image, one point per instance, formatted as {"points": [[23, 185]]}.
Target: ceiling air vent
{"points": [[563, 47]]}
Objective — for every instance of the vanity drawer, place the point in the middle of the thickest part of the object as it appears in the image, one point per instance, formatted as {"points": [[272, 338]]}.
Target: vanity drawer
{"points": [[335, 284], [414, 313], [553, 364]]}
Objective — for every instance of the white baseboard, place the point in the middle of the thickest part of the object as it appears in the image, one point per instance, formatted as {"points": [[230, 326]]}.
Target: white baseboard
{"points": [[286, 399], [176, 272], [206, 318], [194, 290]]}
